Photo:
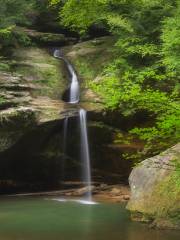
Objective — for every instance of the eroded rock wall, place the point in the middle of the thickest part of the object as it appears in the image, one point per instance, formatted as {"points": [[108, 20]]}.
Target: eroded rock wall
{"points": [[32, 114]]}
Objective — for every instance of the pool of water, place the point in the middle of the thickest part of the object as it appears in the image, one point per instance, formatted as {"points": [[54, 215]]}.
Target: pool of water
{"points": [[39, 218]]}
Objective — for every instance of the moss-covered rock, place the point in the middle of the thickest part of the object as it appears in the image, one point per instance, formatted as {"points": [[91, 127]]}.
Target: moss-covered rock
{"points": [[37, 66], [155, 190], [30, 93], [89, 59], [34, 81], [45, 38]]}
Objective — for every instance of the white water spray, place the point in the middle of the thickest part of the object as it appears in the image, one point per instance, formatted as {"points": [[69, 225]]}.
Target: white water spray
{"points": [[57, 53], [74, 87]]}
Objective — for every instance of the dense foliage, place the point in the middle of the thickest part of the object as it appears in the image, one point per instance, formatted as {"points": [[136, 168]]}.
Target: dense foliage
{"points": [[13, 12], [24, 13], [144, 74]]}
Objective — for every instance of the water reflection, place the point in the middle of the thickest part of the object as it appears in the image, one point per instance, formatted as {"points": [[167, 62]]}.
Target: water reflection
{"points": [[40, 219]]}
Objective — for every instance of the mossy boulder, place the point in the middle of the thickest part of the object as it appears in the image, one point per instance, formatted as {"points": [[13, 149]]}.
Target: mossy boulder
{"points": [[155, 190]]}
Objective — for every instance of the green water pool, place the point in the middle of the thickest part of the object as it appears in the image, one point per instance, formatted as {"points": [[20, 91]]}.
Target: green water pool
{"points": [[38, 218]]}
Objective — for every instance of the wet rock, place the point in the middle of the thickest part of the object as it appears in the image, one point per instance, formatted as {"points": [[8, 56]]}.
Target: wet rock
{"points": [[115, 191], [155, 193], [79, 192], [126, 197], [164, 224]]}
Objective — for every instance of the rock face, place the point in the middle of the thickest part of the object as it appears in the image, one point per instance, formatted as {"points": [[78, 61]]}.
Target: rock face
{"points": [[29, 93], [31, 110], [155, 190], [46, 39], [89, 58], [32, 117]]}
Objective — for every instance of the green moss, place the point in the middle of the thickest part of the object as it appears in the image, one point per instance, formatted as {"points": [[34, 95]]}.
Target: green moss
{"points": [[164, 203], [47, 37], [168, 195], [84, 69], [40, 68], [4, 66], [102, 125], [2, 99], [89, 58], [13, 125]]}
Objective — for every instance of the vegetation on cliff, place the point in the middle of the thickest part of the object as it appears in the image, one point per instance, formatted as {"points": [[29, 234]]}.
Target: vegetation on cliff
{"points": [[143, 77]]}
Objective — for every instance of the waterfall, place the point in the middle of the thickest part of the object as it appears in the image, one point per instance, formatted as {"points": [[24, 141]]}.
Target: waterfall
{"points": [[85, 158], [57, 53], [74, 89], [73, 99], [74, 86]]}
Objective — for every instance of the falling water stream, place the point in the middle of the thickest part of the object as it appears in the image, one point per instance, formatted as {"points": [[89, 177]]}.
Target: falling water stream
{"points": [[74, 88], [74, 85], [74, 97], [85, 152]]}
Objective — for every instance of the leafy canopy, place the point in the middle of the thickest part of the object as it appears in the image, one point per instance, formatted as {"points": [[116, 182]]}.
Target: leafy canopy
{"points": [[144, 75], [12, 13]]}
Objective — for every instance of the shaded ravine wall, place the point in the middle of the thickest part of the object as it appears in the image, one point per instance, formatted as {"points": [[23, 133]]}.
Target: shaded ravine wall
{"points": [[35, 161]]}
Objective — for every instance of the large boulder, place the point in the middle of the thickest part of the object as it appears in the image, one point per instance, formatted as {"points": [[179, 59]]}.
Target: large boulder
{"points": [[155, 190]]}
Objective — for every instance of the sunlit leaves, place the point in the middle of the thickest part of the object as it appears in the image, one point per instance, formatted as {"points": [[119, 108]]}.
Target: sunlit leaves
{"points": [[79, 15], [144, 74], [117, 22], [14, 12], [171, 41]]}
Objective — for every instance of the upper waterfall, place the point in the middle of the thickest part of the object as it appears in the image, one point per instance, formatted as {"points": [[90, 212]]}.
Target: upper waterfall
{"points": [[74, 86]]}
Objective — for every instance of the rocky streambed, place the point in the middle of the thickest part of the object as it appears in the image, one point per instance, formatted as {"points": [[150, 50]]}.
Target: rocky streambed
{"points": [[101, 192]]}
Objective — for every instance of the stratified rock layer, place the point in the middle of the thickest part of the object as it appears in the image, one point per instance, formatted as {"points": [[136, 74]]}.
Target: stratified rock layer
{"points": [[32, 119], [29, 94], [44, 38]]}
